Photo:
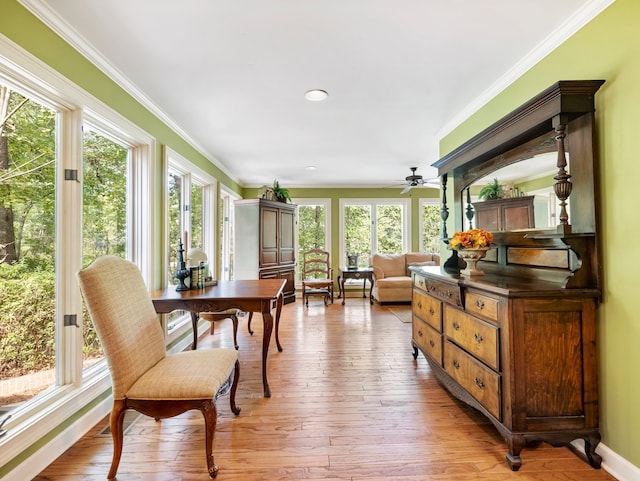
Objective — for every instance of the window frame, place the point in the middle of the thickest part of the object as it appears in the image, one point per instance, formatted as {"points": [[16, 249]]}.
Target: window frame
{"points": [[74, 389], [190, 174], [326, 203], [374, 203], [422, 202]]}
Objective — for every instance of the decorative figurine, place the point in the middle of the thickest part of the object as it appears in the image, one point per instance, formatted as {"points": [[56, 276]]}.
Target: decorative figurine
{"points": [[181, 272]]}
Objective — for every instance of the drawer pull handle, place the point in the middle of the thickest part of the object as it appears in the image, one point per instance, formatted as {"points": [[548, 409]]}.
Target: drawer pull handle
{"points": [[479, 383], [479, 303], [431, 343], [431, 311], [456, 364], [478, 338], [448, 293], [421, 283], [419, 333], [419, 304], [456, 326]]}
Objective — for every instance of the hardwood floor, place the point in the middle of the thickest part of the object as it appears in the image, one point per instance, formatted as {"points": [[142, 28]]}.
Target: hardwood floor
{"points": [[348, 403]]}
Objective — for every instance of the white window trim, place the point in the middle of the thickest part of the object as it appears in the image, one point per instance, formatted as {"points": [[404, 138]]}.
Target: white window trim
{"points": [[422, 202], [173, 160], [326, 203], [406, 221], [225, 246], [28, 424]]}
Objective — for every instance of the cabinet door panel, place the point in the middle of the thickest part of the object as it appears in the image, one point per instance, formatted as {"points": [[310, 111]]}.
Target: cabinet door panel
{"points": [[269, 237]]}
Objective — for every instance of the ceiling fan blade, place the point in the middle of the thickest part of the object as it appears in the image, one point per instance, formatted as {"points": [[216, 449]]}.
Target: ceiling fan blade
{"points": [[406, 189]]}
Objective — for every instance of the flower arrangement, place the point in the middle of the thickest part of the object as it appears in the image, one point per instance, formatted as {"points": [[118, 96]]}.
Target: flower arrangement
{"points": [[471, 239]]}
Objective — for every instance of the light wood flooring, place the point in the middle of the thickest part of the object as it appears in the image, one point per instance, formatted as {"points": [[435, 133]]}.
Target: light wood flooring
{"points": [[348, 403]]}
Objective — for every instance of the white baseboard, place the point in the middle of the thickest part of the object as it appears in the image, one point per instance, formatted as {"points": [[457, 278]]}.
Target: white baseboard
{"points": [[48, 453], [612, 462], [616, 465]]}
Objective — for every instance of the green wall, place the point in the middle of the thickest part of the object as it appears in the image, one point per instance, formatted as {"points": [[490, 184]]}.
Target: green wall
{"points": [[607, 48]]}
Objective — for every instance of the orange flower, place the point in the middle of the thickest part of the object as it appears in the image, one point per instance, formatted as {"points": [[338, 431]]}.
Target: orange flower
{"points": [[471, 239]]}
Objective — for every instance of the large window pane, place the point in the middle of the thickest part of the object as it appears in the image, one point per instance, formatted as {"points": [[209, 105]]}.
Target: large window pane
{"points": [[27, 248], [312, 230], [389, 229], [431, 225], [357, 229], [104, 214], [196, 209]]}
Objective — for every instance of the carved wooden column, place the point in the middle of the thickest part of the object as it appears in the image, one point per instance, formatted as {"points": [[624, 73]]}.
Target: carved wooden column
{"points": [[563, 185]]}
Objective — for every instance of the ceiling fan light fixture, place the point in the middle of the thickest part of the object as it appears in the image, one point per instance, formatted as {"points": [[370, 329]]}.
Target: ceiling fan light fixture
{"points": [[316, 95]]}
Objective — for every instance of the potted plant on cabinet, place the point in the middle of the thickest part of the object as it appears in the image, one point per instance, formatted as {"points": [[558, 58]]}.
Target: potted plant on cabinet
{"points": [[281, 194], [492, 191]]}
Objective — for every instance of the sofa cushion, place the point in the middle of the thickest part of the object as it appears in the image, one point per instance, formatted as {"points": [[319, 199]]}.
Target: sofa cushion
{"points": [[394, 283], [392, 265]]}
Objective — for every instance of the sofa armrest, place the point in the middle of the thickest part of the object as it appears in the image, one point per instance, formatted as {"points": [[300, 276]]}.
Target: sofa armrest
{"points": [[378, 273]]}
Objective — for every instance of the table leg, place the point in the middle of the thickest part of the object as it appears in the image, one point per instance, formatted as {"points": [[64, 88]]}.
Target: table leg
{"points": [[364, 288], [267, 319], [370, 290], [342, 290], [279, 303], [194, 325], [339, 288]]}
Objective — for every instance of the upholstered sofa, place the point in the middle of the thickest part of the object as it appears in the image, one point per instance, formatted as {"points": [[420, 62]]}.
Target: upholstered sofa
{"points": [[391, 275]]}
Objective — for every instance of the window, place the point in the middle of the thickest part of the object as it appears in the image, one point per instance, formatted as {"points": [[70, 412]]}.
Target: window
{"points": [[27, 245], [370, 226], [105, 167], [430, 225], [59, 220], [313, 230], [190, 219], [226, 216]]}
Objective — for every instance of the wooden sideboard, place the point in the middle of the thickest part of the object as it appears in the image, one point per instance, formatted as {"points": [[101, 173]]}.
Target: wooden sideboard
{"points": [[520, 351]]}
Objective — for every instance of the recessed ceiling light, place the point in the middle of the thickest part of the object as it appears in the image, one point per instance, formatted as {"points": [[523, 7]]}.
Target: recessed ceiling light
{"points": [[310, 167], [316, 95]]}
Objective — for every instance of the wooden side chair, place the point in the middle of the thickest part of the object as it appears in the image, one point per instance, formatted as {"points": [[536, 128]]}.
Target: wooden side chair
{"points": [[317, 276], [232, 314], [144, 377]]}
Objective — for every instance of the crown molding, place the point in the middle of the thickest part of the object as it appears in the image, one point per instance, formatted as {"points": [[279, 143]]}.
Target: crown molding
{"points": [[59, 26], [574, 23]]}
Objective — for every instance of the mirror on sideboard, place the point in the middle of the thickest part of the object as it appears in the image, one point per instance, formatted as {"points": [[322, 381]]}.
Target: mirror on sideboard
{"points": [[517, 196]]}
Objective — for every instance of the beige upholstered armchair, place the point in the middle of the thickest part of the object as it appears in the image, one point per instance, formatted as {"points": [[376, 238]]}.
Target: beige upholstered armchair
{"points": [[144, 377]]}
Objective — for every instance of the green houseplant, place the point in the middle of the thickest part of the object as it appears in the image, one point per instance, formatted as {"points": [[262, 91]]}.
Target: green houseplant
{"points": [[492, 191], [281, 194]]}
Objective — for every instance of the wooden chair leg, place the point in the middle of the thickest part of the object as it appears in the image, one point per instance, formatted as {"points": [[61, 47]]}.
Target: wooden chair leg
{"points": [[249, 323], [210, 414], [116, 422], [234, 387], [234, 319]]}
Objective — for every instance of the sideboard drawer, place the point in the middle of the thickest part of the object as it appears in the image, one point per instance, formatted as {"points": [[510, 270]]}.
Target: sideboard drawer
{"points": [[419, 282], [428, 340], [449, 293], [476, 378], [428, 309], [477, 337], [481, 305]]}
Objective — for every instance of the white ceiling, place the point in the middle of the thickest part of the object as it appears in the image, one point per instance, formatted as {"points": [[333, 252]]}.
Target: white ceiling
{"points": [[231, 75]]}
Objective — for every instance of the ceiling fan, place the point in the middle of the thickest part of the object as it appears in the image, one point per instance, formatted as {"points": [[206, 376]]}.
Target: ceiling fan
{"points": [[415, 180]]}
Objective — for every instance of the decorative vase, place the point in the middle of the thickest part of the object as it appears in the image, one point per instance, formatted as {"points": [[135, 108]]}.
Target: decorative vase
{"points": [[471, 257]]}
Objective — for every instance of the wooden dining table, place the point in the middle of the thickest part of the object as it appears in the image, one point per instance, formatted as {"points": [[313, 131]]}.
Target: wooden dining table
{"points": [[261, 295]]}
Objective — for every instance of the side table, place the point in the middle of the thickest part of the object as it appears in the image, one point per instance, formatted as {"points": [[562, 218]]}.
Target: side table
{"points": [[359, 273]]}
